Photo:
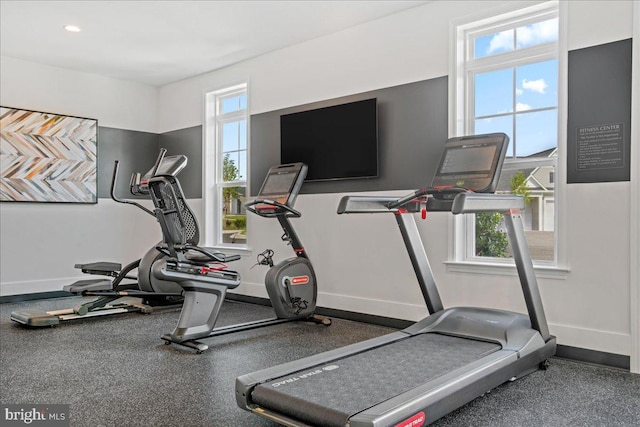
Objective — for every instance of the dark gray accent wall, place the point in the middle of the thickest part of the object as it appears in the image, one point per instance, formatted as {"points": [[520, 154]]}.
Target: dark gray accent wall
{"points": [[136, 152], [412, 129], [188, 142]]}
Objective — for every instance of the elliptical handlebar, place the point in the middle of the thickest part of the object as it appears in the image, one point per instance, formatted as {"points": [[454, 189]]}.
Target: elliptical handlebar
{"points": [[273, 209], [156, 165], [114, 180], [139, 184]]}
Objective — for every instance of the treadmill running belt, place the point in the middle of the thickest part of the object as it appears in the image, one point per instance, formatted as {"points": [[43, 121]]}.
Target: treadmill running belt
{"points": [[329, 394]]}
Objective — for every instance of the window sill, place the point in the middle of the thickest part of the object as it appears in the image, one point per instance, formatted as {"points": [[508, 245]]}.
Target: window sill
{"points": [[544, 271]]}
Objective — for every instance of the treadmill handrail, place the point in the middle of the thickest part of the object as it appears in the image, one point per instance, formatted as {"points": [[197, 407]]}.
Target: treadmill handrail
{"points": [[482, 202], [365, 204], [463, 203]]}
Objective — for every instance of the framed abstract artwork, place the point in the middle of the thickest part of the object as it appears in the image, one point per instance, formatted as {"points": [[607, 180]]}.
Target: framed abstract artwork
{"points": [[47, 157]]}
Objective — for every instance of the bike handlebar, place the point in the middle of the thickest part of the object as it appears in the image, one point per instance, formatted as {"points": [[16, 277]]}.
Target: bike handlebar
{"points": [[278, 209]]}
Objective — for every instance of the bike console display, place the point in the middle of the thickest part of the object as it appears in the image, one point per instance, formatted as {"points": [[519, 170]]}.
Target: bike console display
{"points": [[280, 187], [472, 163]]}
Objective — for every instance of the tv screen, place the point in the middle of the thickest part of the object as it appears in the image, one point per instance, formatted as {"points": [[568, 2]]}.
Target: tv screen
{"points": [[338, 142]]}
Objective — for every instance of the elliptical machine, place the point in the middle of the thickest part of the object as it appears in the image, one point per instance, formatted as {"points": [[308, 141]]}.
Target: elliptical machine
{"points": [[291, 284], [125, 292]]}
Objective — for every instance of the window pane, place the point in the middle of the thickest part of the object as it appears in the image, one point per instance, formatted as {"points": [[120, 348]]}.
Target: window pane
{"points": [[243, 134], [242, 165], [232, 103], [494, 92], [536, 185], [493, 44], [497, 124], [538, 33], [230, 136], [536, 133], [234, 217], [537, 85], [230, 171]]}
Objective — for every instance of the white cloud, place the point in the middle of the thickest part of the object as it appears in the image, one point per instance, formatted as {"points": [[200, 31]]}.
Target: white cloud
{"points": [[540, 32], [522, 107], [539, 85], [501, 42], [519, 91]]}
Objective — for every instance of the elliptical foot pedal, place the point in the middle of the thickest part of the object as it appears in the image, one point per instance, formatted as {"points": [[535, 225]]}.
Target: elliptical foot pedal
{"points": [[34, 318], [322, 320], [88, 285], [107, 267]]}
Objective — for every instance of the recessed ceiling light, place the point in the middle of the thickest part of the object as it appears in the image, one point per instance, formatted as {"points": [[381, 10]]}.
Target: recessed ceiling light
{"points": [[72, 28]]}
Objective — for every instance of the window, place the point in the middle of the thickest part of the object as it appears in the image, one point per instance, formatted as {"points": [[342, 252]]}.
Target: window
{"points": [[507, 81], [226, 167]]}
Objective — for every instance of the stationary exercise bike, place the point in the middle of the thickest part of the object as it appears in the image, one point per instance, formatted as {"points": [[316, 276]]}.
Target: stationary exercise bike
{"points": [[291, 284], [125, 292]]}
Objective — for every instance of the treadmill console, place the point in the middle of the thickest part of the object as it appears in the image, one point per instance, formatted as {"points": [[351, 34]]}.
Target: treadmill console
{"points": [[282, 185], [471, 163]]}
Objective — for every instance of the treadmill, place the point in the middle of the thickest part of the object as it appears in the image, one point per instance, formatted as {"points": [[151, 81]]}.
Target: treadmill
{"points": [[412, 377]]}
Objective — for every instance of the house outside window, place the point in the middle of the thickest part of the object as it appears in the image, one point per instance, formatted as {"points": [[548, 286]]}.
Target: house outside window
{"points": [[226, 167], [506, 80]]}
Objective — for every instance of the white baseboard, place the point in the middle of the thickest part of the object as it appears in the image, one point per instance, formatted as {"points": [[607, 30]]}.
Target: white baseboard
{"points": [[592, 339], [36, 286], [573, 336]]}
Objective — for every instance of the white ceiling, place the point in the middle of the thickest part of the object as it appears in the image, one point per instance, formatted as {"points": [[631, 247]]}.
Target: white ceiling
{"points": [[159, 42]]}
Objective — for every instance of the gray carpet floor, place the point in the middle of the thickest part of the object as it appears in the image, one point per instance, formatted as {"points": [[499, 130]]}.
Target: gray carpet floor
{"points": [[115, 371]]}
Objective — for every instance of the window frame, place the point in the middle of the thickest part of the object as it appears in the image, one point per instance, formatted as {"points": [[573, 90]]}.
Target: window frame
{"points": [[212, 167], [461, 121]]}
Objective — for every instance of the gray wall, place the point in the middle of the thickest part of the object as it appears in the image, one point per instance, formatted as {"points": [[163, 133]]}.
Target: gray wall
{"points": [[188, 142], [136, 152], [412, 128]]}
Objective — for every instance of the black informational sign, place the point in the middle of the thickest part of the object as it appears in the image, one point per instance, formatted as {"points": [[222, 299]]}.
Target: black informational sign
{"points": [[599, 121]]}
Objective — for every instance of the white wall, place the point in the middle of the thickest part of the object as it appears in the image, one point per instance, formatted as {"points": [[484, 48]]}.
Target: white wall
{"points": [[115, 103], [360, 260], [40, 243]]}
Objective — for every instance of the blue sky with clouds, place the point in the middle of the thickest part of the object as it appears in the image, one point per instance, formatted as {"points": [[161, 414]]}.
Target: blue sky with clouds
{"points": [[522, 89]]}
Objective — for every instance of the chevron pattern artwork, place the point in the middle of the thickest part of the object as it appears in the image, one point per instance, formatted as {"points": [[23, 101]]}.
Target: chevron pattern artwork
{"points": [[47, 157]]}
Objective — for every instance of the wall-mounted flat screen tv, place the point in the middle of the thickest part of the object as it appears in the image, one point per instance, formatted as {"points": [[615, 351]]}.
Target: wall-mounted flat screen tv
{"points": [[337, 142]]}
